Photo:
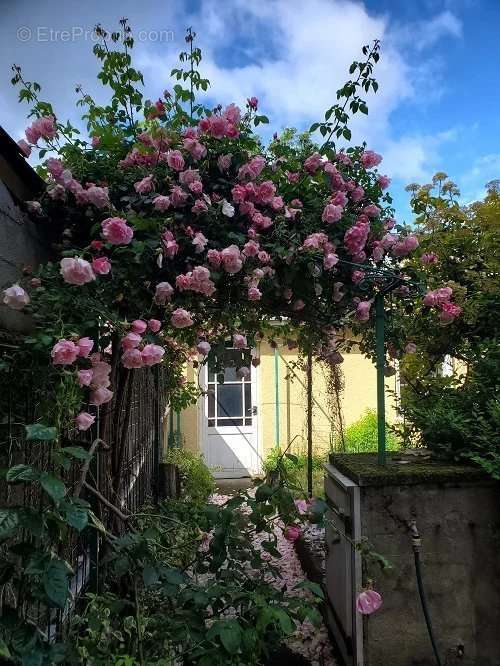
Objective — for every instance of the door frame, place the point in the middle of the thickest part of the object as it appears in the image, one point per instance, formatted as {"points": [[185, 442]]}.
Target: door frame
{"points": [[202, 419]]}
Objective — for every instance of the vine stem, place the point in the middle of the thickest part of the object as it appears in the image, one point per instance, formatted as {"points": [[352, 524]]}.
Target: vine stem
{"points": [[138, 624]]}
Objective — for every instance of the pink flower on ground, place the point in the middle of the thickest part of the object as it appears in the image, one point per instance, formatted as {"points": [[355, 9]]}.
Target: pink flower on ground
{"points": [[100, 396], [84, 377], [239, 341], [116, 231], [84, 420], [302, 506], [154, 325], [181, 318], [132, 359], [368, 602], [152, 354], [15, 297], [363, 311], [163, 292], [369, 159], [85, 346], [76, 271], [291, 533], [203, 347], [161, 203], [64, 352], [139, 326], [175, 160], [101, 265], [410, 348]]}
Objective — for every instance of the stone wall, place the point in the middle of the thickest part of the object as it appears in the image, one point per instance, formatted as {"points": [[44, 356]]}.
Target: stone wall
{"points": [[20, 244], [460, 529]]}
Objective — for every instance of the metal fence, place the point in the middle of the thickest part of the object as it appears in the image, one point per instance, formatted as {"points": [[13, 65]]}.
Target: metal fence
{"points": [[125, 473]]}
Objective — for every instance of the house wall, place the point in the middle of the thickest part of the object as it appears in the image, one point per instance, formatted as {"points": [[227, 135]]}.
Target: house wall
{"points": [[358, 395]]}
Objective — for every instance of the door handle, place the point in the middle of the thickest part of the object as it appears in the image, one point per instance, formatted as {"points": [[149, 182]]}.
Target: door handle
{"points": [[254, 410]]}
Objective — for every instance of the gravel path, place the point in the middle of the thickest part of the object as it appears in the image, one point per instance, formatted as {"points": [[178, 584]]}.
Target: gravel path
{"points": [[311, 642]]}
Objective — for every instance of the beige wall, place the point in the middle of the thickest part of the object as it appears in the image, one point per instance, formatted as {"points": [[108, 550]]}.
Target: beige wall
{"points": [[358, 395]]}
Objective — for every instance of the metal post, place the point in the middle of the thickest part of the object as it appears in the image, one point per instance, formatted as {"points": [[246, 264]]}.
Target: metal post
{"points": [[178, 429], [379, 331], [277, 397], [309, 423], [170, 428]]}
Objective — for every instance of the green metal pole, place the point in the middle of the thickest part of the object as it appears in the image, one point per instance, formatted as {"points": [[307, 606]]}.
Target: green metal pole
{"points": [[379, 330], [178, 427], [277, 397], [309, 423], [170, 428]]}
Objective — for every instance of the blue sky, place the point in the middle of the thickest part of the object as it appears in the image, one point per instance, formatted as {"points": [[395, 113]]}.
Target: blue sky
{"points": [[438, 103]]}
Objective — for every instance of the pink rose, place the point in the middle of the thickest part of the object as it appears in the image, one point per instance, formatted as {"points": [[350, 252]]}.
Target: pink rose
{"points": [[145, 185], [224, 162], [76, 271], [85, 346], [131, 340], [231, 259], [312, 163], [203, 348], [199, 207], [132, 358], [178, 196], [100, 396], [368, 602], [99, 196], [152, 354], [370, 159], [266, 191], [84, 377], [163, 292], [161, 203], [181, 318], [254, 294], [100, 372], [24, 147], [384, 182], [330, 260], [331, 213], [154, 325], [96, 141], [291, 533], [116, 231], [429, 258], [363, 311], [64, 352], [84, 420], [253, 102], [357, 194], [449, 312], [214, 258], [175, 160], [15, 297], [410, 348], [139, 326], [101, 265], [239, 341]]}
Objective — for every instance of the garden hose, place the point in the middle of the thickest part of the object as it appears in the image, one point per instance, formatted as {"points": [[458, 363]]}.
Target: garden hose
{"points": [[416, 545]]}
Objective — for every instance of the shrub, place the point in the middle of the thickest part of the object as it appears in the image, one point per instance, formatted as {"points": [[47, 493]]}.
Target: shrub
{"points": [[197, 481], [361, 436]]}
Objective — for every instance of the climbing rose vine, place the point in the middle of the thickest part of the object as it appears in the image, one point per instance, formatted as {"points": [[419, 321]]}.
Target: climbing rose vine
{"points": [[177, 229]]}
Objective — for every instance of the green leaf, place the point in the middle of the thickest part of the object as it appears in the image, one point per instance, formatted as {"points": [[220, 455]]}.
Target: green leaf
{"points": [[315, 588], [230, 635], [4, 650], [293, 458], [34, 658], [150, 575], [96, 522], [284, 620], [347, 133], [55, 582], [53, 486], [20, 473], [263, 492], [76, 515], [76, 452], [42, 432]]}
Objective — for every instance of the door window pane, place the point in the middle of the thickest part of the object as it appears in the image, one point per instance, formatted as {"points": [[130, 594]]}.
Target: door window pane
{"points": [[229, 400]]}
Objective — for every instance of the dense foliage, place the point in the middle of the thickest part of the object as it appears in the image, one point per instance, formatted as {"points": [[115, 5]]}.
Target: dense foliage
{"points": [[451, 388]]}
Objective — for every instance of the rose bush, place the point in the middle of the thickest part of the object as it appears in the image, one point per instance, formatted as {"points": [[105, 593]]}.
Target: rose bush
{"points": [[181, 215]]}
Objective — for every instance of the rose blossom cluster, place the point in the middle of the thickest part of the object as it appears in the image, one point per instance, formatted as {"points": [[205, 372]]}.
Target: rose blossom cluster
{"points": [[136, 353], [439, 299], [224, 125], [41, 128]]}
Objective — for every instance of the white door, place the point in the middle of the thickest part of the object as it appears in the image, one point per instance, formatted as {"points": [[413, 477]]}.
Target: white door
{"points": [[229, 420]]}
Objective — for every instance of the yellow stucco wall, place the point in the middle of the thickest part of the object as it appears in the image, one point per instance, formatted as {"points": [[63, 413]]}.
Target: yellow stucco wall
{"points": [[359, 394]]}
